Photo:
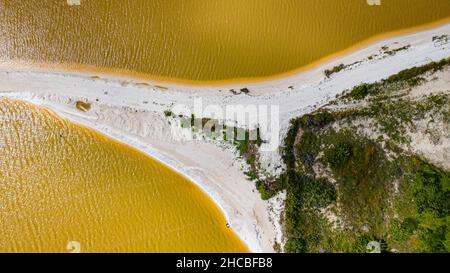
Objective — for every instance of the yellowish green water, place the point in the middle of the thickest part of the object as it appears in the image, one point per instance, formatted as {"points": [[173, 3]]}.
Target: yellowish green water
{"points": [[200, 39], [61, 182]]}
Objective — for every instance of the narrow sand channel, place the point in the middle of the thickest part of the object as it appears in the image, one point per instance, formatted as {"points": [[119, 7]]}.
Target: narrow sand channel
{"points": [[133, 113]]}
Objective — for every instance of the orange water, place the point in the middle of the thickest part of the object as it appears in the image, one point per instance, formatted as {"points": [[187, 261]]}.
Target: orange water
{"points": [[60, 182], [199, 39]]}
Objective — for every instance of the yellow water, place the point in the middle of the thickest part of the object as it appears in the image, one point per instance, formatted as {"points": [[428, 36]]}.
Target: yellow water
{"points": [[202, 39], [61, 182]]}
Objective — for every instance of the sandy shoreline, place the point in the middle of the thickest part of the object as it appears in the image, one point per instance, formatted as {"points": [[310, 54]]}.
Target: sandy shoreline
{"points": [[134, 114]]}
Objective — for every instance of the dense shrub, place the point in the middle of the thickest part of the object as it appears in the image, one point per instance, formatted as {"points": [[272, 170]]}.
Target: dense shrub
{"points": [[318, 193], [435, 239], [431, 191], [360, 91], [316, 121], [400, 200], [408, 74]]}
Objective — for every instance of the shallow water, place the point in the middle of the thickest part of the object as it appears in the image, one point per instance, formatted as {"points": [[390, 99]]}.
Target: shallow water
{"points": [[61, 182], [202, 39]]}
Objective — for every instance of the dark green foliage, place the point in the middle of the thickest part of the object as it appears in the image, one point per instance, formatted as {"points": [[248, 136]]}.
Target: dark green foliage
{"points": [[442, 38], [335, 69], [395, 51], [295, 245], [267, 189], [402, 230], [305, 195], [361, 244], [362, 181], [360, 92], [245, 90], [409, 225], [305, 232], [246, 143], [363, 175], [431, 192], [379, 193], [339, 154], [288, 154], [434, 239], [316, 121], [308, 123], [277, 247]]}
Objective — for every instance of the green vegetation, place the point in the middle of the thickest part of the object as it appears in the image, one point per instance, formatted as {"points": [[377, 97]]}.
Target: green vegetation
{"points": [[161, 87], [364, 189], [168, 113], [334, 70], [392, 52], [346, 189], [411, 73], [441, 39], [339, 154], [360, 91], [247, 143], [406, 78], [245, 90]]}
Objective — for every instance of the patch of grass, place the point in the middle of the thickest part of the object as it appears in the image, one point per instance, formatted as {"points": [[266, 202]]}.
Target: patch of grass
{"points": [[245, 90], [168, 113], [287, 151], [304, 225], [378, 193], [364, 190], [247, 143], [334, 70], [160, 87], [318, 193], [411, 73], [316, 121], [395, 51], [360, 92], [441, 38], [416, 81], [83, 106], [339, 154], [412, 77], [431, 191]]}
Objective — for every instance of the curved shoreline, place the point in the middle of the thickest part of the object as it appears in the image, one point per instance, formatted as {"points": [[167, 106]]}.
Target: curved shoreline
{"points": [[156, 80], [139, 147], [206, 163], [129, 141]]}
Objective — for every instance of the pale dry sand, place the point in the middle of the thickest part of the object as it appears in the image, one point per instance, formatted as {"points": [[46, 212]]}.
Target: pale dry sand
{"points": [[133, 113]]}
